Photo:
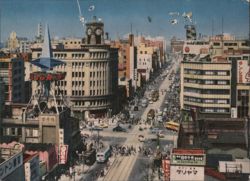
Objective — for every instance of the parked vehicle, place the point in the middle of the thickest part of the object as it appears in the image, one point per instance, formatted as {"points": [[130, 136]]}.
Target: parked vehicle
{"points": [[141, 138], [119, 129], [103, 155]]}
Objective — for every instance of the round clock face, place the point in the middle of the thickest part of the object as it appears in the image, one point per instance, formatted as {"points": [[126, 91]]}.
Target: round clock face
{"points": [[89, 31], [98, 31]]}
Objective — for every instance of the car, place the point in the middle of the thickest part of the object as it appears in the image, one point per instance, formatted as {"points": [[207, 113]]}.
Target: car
{"points": [[141, 138], [136, 108], [155, 130], [160, 134], [119, 129], [140, 129], [96, 128], [103, 125], [150, 102]]}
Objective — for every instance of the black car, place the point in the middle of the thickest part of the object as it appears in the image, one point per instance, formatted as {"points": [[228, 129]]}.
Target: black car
{"points": [[119, 129]]}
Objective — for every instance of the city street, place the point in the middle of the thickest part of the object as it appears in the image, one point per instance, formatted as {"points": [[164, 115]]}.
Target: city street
{"points": [[124, 165]]}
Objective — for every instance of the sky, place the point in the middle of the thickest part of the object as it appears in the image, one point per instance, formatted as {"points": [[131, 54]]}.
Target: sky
{"points": [[23, 16]]}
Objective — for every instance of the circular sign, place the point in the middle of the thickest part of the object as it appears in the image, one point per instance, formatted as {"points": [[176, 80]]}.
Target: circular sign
{"points": [[187, 49]]}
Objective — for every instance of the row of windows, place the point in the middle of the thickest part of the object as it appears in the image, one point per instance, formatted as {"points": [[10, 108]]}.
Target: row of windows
{"points": [[78, 64], [98, 74], [29, 132], [73, 42], [229, 44], [209, 110], [92, 103], [78, 74], [98, 64], [60, 55], [77, 83], [60, 92], [97, 83], [206, 101], [98, 55], [206, 72], [96, 92], [78, 55], [207, 82], [78, 93], [206, 91], [60, 83]]}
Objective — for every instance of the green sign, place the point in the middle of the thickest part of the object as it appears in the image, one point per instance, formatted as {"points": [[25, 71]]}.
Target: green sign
{"points": [[186, 159]]}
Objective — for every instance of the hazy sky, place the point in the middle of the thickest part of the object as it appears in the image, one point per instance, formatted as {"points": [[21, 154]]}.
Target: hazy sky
{"points": [[62, 16]]}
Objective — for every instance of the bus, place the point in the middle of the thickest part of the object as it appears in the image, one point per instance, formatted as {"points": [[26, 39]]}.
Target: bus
{"points": [[103, 155], [151, 114], [171, 125]]}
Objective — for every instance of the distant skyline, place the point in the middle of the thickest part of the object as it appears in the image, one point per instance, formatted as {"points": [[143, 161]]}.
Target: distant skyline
{"points": [[23, 16]]}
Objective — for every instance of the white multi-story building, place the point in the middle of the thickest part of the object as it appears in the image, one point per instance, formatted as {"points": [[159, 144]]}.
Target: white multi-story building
{"points": [[91, 81]]}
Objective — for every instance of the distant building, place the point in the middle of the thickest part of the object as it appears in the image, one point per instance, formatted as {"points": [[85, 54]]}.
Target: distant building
{"points": [[13, 43], [176, 45], [12, 74]]}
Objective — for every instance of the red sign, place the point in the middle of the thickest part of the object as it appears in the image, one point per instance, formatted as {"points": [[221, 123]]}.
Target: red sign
{"points": [[47, 76], [63, 156], [187, 49], [166, 169]]}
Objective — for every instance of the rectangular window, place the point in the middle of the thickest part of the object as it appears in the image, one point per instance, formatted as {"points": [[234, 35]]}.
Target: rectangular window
{"points": [[221, 73], [222, 82]]}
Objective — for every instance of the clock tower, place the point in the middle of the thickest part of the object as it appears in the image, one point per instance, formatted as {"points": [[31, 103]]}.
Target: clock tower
{"points": [[95, 32]]}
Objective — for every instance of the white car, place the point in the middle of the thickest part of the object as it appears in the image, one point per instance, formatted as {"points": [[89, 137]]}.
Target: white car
{"points": [[159, 118], [141, 138], [150, 102]]}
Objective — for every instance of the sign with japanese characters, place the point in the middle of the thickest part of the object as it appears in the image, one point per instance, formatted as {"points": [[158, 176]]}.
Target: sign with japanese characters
{"points": [[186, 173], [63, 154], [243, 71], [194, 157], [166, 169], [47, 76]]}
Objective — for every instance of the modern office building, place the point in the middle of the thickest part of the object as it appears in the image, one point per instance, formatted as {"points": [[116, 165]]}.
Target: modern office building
{"points": [[91, 78], [12, 74], [206, 86]]}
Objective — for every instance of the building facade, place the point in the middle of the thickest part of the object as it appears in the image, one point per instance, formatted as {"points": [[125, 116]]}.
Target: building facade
{"points": [[91, 78], [206, 86], [12, 74]]}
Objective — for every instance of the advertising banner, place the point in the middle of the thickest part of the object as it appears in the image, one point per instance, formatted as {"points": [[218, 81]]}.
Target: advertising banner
{"points": [[63, 150], [166, 169], [243, 71], [186, 173]]}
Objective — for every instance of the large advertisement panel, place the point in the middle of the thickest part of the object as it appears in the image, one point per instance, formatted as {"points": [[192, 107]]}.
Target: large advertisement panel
{"points": [[186, 173], [188, 157], [243, 71]]}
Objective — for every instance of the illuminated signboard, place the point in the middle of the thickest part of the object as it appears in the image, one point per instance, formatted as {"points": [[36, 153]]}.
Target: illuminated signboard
{"points": [[47, 76], [188, 157]]}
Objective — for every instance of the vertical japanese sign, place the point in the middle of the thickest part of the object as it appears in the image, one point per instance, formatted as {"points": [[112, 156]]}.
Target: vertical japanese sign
{"points": [[166, 169], [63, 150]]}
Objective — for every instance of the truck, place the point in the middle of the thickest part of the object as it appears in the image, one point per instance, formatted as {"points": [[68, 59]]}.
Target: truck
{"points": [[151, 114]]}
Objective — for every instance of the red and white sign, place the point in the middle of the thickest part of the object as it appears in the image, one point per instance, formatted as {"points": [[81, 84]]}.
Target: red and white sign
{"points": [[166, 169], [243, 74], [63, 154]]}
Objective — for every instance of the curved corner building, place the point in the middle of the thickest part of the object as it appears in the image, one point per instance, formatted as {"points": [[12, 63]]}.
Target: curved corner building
{"points": [[91, 81]]}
